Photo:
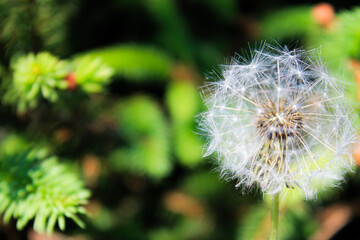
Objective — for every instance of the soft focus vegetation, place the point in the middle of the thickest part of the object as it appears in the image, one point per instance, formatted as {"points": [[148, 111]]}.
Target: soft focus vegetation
{"points": [[98, 135]]}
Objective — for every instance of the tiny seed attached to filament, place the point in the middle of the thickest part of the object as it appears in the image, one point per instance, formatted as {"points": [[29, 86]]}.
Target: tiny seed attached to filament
{"points": [[278, 123]]}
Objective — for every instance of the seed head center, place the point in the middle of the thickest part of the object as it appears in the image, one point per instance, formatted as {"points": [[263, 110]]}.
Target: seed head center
{"points": [[277, 121]]}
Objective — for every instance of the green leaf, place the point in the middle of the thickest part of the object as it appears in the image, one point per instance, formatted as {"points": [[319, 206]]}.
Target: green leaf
{"points": [[289, 22], [51, 222], [61, 222], [145, 128], [134, 62], [46, 91], [9, 212], [173, 32], [183, 101], [188, 146], [33, 91]]}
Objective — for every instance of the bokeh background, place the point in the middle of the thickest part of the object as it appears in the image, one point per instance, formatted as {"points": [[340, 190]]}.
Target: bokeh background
{"points": [[119, 113]]}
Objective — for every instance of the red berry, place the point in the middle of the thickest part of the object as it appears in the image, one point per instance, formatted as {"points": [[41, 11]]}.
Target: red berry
{"points": [[71, 79]]}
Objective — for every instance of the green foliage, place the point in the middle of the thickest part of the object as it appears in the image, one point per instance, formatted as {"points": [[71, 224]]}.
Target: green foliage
{"points": [[12, 143], [91, 74], [33, 187], [35, 77], [32, 25], [342, 43], [44, 76], [51, 23], [225, 9], [145, 128], [135, 62], [292, 23], [197, 185], [173, 34], [186, 228], [296, 222], [183, 101], [125, 137]]}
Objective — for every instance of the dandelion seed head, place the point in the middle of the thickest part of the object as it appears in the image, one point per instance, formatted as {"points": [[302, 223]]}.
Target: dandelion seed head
{"points": [[278, 121]]}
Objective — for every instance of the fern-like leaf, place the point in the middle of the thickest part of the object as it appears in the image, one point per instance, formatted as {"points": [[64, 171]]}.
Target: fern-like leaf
{"points": [[40, 189]]}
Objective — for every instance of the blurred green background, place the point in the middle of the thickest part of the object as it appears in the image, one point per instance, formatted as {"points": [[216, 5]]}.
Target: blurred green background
{"points": [[97, 127]]}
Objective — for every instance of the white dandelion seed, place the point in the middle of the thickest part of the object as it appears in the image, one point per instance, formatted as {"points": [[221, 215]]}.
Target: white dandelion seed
{"points": [[278, 121]]}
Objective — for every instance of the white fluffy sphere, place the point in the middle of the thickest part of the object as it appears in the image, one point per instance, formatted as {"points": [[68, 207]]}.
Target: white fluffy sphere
{"points": [[278, 121]]}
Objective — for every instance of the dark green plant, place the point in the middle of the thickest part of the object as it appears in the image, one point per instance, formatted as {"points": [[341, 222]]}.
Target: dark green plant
{"points": [[36, 187], [33, 26]]}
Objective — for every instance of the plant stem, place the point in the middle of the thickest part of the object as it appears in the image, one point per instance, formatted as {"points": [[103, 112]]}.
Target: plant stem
{"points": [[274, 217]]}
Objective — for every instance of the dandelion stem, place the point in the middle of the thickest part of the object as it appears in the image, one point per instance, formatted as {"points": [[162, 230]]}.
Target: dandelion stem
{"points": [[274, 217]]}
